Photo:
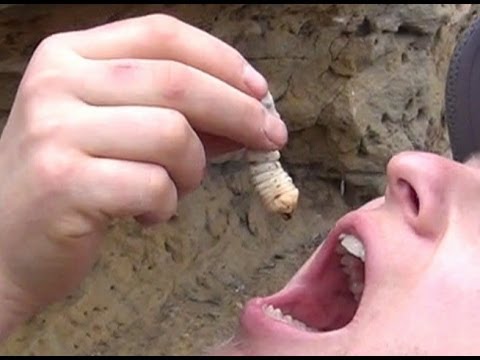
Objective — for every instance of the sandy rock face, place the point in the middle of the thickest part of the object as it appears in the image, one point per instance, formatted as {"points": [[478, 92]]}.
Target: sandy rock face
{"points": [[355, 84]]}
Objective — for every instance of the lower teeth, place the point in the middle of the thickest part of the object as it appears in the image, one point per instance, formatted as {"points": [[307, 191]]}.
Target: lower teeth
{"points": [[278, 315], [356, 285]]}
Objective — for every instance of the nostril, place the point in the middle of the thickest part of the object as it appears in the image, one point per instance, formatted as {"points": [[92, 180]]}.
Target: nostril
{"points": [[409, 195]]}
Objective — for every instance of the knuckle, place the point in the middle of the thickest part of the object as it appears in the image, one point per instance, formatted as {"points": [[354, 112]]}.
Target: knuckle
{"points": [[48, 69], [53, 169], [49, 50], [182, 149], [36, 85], [43, 128], [176, 132], [163, 28], [50, 44], [175, 82], [162, 193]]}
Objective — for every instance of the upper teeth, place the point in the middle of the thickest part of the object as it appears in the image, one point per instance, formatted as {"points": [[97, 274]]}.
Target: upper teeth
{"points": [[352, 258], [353, 246]]}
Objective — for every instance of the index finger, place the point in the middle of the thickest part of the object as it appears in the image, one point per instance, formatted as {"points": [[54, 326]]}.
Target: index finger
{"points": [[167, 38]]}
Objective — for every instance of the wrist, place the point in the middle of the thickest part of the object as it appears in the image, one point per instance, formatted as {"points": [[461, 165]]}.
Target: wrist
{"points": [[15, 309]]}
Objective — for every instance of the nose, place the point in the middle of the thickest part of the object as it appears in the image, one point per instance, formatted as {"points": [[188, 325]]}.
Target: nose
{"points": [[418, 184]]}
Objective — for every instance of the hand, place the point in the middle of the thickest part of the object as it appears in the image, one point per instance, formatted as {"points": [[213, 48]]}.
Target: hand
{"points": [[111, 122]]}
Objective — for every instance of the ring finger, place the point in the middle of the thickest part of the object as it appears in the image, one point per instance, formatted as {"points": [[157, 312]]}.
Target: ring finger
{"points": [[144, 134]]}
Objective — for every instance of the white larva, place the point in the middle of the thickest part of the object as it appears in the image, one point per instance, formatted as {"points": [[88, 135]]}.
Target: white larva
{"points": [[275, 187]]}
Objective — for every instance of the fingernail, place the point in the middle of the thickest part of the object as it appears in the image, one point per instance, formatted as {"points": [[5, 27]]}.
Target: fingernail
{"points": [[255, 81], [276, 131]]}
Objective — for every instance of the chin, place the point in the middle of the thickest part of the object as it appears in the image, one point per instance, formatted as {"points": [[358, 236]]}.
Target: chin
{"points": [[322, 309]]}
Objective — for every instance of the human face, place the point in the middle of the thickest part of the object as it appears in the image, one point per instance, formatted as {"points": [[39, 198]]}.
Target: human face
{"points": [[421, 274]]}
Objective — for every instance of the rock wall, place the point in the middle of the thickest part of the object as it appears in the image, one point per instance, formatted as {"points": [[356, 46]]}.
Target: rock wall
{"points": [[355, 83]]}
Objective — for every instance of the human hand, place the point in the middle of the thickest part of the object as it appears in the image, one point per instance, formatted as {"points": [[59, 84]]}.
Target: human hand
{"points": [[111, 122]]}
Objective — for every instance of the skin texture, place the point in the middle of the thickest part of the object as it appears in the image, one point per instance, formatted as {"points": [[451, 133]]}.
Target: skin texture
{"points": [[113, 122], [422, 275]]}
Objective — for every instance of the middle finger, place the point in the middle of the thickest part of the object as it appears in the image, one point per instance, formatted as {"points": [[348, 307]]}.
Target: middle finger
{"points": [[210, 105]]}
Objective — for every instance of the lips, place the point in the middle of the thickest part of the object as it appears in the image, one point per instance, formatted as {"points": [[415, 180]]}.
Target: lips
{"points": [[319, 298]]}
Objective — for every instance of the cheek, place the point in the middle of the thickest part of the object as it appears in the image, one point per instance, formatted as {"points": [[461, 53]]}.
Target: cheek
{"points": [[439, 311], [449, 293]]}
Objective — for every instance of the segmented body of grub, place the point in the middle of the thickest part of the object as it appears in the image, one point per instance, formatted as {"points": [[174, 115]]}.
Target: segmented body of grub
{"points": [[275, 187]]}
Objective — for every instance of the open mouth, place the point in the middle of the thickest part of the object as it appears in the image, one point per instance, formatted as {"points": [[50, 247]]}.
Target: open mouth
{"points": [[325, 296]]}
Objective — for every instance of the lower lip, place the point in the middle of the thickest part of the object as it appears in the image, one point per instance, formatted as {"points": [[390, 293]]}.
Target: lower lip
{"points": [[255, 322]]}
